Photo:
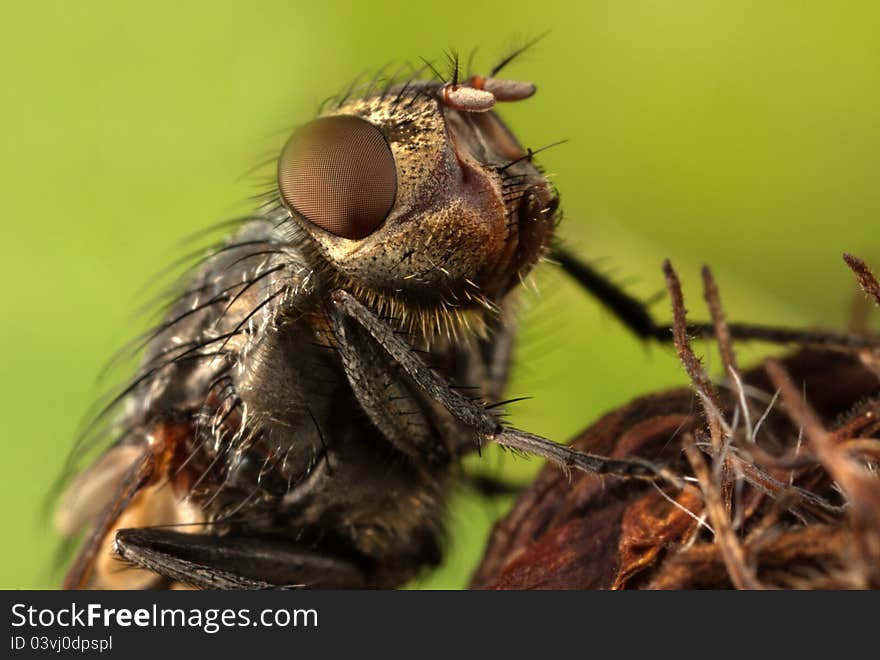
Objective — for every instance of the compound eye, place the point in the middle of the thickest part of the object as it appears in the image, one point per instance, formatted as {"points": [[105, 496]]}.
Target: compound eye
{"points": [[339, 174]]}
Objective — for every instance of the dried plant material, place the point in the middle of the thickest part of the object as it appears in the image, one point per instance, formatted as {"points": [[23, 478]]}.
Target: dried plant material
{"points": [[866, 278], [715, 495], [702, 384], [808, 558], [650, 525], [558, 518], [859, 482], [869, 284], [773, 481], [741, 574], [719, 322]]}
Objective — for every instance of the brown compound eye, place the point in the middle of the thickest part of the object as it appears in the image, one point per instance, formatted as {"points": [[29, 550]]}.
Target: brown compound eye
{"points": [[339, 174]]}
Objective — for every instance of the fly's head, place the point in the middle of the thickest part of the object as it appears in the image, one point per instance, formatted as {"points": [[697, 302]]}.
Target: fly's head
{"points": [[419, 199]]}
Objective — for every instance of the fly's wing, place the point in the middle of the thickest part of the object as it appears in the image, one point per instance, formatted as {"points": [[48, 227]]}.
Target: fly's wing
{"points": [[89, 494], [127, 487]]}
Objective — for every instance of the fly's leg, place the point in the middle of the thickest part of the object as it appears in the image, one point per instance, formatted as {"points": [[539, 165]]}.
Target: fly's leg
{"points": [[346, 309], [634, 314], [489, 486], [385, 394], [497, 351], [230, 562]]}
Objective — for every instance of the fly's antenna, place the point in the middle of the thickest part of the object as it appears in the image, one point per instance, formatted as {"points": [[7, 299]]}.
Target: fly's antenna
{"points": [[479, 94]]}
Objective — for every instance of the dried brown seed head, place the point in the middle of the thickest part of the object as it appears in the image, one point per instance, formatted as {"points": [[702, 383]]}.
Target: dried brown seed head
{"points": [[781, 482]]}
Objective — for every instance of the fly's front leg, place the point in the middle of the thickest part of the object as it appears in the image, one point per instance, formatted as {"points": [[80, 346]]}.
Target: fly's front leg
{"points": [[385, 393], [230, 562], [487, 428]]}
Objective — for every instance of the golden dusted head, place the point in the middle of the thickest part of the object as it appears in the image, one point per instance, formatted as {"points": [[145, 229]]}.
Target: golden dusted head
{"points": [[419, 194]]}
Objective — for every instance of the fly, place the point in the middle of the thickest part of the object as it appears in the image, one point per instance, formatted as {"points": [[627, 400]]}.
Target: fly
{"points": [[299, 416]]}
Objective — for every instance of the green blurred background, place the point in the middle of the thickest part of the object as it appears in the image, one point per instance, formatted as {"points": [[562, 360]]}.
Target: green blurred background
{"points": [[739, 133]]}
